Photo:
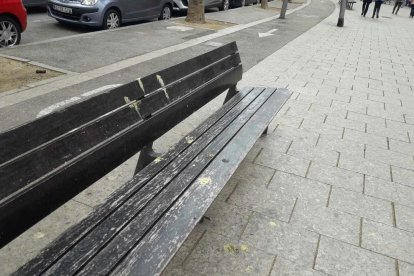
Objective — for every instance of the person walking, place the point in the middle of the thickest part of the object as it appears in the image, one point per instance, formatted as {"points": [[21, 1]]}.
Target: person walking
{"points": [[365, 6], [397, 6], [412, 9], [377, 7]]}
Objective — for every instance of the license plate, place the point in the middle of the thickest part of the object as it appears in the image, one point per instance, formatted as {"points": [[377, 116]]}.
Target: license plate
{"points": [[62, 9]]}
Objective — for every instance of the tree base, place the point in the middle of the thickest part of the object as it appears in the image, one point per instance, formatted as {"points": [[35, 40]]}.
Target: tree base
{"points": [[340, 22]]}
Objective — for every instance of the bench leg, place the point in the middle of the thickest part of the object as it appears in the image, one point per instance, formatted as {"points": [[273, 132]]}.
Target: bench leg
{"points": [[146, 156], [232, 91]]}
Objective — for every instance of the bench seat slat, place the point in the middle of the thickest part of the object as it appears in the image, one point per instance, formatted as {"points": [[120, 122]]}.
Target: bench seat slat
{"points": [[153, 253], [69, 238], [103, 233]]}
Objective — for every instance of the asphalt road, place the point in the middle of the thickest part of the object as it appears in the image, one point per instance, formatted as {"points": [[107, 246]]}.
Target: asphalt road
{"points": [[41, 27], [252, 47]]}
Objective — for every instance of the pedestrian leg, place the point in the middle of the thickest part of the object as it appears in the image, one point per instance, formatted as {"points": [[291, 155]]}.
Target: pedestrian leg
{"points": [[366, 8], [395, 6], [398, 7], [364, 4]]}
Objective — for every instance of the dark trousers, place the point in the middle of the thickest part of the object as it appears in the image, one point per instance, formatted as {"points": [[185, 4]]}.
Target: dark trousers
{"points": [[412, 11], [397, 6], [377, 8], [365, 7]]}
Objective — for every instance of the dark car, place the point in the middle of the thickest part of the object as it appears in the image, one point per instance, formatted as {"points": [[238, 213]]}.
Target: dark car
{"points": [[242, 3], [34, 3], [13, 21], [108, 14]]}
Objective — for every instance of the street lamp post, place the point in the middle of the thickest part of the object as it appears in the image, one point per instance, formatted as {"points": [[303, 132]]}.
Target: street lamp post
{"points": [[341, 14]]}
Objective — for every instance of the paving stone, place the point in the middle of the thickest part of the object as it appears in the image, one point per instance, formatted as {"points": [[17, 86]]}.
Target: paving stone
{"points": [[406, 269], [177, 261], [297, 134], [386, 100], [283, 162], [274, 141], [30, 243], [284, 267], [320, 155], [292, 121], [347, 106], [340, 145], [228, 188], [360, 205], [352, 93], [262, 200], [403, 176], [225, 219], [339, 258], [327, 221], [254, 174], [366, 118], [389, 190], [178, 271], [228, 256], [336, 176], [364, 166], [276, 237], [389, 157], [310, 115], [252, 155], [325, 129], [386, 114], [401, 135], [388, 240], [404, 217], [303, 188], [365, 138], [401, 147], [356, 125]]}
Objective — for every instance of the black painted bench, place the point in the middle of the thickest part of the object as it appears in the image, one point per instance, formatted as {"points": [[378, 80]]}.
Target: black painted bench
{"points": [[141, 225]]}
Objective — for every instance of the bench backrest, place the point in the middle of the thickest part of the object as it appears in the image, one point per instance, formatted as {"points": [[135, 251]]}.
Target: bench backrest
{"points": [[49, 160]]}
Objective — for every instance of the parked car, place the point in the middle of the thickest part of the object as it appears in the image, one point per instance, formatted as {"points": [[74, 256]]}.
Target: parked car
{"points": [[34, 3], [108, 14], [182, 5], [242, 3], [13, 21]]}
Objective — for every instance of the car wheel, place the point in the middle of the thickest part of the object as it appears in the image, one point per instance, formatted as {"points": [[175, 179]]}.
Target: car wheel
{"points": [[10, 32], [225, 5], [112, 20], [165, 12]]}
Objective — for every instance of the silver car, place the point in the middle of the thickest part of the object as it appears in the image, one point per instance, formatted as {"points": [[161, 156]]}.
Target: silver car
{"points": [[108, 14], [182, 5]]}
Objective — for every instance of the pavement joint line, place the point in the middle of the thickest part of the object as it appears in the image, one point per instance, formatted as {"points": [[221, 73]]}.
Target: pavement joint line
{"points": [[99, 72], [272, 265]]}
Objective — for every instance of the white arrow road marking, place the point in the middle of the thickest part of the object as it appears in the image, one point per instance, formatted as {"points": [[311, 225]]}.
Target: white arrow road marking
{"points": [[58, 105], [268, 33], [180, 28]]}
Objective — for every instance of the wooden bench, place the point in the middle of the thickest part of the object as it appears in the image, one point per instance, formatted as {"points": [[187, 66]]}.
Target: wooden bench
{"points": [[141, 225]]}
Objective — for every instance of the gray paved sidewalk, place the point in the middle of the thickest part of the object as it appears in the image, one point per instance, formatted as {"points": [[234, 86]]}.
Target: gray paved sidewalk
{"points": [[330, 190]]}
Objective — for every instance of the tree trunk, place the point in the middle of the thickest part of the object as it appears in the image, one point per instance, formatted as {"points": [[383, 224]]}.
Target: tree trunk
{"points": [[263, 4], [195, 13]]}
